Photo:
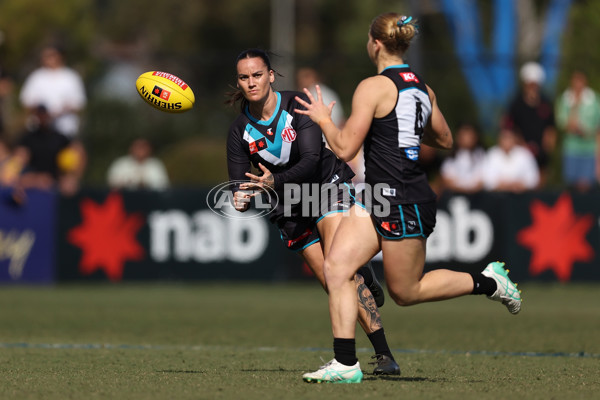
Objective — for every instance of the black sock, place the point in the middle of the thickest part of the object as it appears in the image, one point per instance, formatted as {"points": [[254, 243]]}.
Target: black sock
{"points": [[483, 285], [345, 351], [379, 343]]}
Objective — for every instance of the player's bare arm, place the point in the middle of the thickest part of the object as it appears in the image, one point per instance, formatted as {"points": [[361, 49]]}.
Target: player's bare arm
{"points": [[437, 131]]}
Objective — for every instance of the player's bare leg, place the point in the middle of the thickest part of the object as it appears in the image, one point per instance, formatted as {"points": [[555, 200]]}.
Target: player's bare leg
{"points": [[342, 262], [340, 272], [404, 261], [368, 315]]}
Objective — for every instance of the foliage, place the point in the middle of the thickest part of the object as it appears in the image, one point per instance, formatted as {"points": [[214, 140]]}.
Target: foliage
{"points": [[29, 24]]}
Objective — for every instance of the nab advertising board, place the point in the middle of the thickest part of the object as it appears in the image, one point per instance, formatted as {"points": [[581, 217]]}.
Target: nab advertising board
{"points": [[166, 235], [27, 232], [541, 235], [176, 235]]}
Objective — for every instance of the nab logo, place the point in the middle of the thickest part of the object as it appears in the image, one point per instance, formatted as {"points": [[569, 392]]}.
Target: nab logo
{"points": [[288, 135], [409, 77], [162, 93]]}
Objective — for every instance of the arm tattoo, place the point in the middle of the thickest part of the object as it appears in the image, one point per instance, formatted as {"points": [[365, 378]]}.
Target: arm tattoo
{"points": [[367, 303]]}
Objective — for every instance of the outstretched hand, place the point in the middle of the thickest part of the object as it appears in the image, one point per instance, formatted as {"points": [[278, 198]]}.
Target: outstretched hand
{"points": [[316, 109], [264, 182]]}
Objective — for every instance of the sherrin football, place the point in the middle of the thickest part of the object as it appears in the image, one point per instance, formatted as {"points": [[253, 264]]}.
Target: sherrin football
{"points": [[165, 91]]}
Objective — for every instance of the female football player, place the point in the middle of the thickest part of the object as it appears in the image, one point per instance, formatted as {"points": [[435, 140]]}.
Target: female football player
{"points": [[393, 112], [290, 154]]}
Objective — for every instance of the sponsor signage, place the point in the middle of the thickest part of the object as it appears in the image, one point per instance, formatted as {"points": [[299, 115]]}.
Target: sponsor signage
{"points": [[174, 235], [178, 235], [27, 235], [540, 235]]}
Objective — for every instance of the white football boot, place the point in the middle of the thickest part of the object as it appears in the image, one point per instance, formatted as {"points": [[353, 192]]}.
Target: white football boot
{"points": [[335, 372], [507, 292]]}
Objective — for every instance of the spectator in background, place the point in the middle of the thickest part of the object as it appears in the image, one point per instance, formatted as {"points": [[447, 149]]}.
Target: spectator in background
{"points": [[532, 114], [138, 169], [6, 88], [462, 170], [509, 166], [578, 115], [10, 169], [58, 88], [50, 160]]}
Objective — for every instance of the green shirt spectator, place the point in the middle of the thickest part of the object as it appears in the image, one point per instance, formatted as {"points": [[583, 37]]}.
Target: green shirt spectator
{"points": [[578, 116]]}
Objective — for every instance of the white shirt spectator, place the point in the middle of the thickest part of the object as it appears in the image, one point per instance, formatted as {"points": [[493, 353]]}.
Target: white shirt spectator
{"points": [[516, 166], [58, 88], [128, 173], [465, 169]]}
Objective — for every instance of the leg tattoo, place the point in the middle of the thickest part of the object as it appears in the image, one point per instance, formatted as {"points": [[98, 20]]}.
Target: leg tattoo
{"points": [[366, 302]]}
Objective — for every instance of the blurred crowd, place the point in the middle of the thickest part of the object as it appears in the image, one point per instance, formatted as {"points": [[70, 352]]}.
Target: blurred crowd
{"points": [[539, 140], [535, 134], [48, 153]]}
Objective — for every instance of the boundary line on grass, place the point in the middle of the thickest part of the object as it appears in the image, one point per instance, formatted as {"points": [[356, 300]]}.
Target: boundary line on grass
{"points": [[108, 346]]}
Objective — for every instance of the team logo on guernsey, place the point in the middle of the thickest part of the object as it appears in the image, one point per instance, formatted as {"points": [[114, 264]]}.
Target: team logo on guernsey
{"points": [[411, 226], [258, 145], [387, 191], [409, 77], [412, 153], [391, 226], [162, 93], [288, 135]]}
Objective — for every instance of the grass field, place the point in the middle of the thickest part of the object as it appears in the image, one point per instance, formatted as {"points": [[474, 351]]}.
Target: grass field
{"points": [[230, 341]]}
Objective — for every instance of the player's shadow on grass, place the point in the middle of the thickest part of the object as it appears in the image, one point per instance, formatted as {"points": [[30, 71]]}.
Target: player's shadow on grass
{"points": [[272, 370], [180, 371], [365, 378], [400, 378]]}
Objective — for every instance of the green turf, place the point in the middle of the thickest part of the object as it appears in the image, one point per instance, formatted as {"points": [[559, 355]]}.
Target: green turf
{"points": [[255, 341]]}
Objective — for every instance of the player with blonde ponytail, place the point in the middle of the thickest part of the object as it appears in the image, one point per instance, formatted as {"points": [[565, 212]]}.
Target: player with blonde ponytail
{"points": [[393, 112]]}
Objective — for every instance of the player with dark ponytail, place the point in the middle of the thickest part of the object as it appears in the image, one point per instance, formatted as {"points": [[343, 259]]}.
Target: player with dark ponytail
{"points": [[288, 149]]}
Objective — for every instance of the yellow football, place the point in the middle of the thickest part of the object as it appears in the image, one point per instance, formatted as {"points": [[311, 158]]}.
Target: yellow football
{"points": [[165, 91]]}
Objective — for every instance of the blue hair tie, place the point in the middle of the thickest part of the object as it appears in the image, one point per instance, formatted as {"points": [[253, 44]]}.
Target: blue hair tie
{"points": [[404, 20]]}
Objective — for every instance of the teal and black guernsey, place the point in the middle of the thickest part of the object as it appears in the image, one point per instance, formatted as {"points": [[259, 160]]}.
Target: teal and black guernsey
{"points": [[289, 144]]}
